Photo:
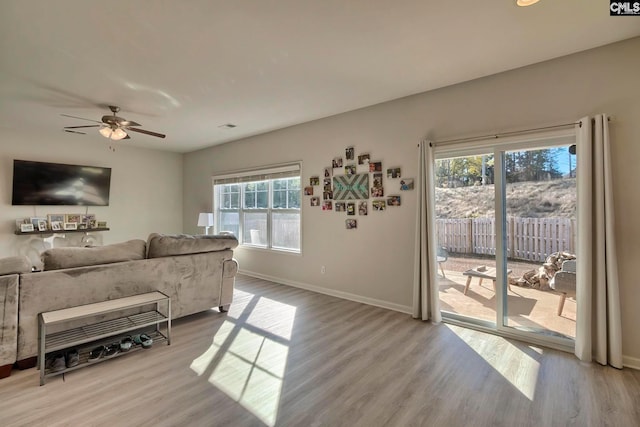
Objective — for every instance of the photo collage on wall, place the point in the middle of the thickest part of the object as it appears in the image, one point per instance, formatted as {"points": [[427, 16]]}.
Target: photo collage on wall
{"points": [[350, 181]]}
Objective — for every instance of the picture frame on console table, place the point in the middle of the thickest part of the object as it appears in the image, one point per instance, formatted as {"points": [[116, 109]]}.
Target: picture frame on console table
{"points": [[88, 220], [59, 218], [101, 224], [72, 218], [25, 228], [70, 225]]}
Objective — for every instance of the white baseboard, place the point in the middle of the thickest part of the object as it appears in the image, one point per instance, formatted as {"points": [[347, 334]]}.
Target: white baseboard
{"points": [[331, 292], [630, 362]]}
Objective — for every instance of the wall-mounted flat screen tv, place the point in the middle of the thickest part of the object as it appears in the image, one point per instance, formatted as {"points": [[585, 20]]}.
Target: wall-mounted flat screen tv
{"points": [[40, 183]]}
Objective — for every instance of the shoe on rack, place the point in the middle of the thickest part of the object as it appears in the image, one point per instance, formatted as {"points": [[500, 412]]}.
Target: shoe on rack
{"points": [[72, 357], [56, 362], [144, 340], [96, 354], [126, 343], [111, 350]]}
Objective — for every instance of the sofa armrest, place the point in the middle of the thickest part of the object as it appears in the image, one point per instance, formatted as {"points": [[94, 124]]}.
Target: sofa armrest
{"points": [[229, 271], [8, 322]]}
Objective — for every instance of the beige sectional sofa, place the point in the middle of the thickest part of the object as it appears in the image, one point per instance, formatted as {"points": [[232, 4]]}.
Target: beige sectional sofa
{"points": [[10, 269], [197, 272]]}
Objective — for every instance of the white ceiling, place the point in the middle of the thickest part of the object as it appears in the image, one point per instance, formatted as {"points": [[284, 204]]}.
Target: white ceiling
{"points": [[184, 68]]}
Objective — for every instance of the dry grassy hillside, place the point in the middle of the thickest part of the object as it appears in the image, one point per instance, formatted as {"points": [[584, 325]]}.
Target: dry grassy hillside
{"points": [[556, 198]]}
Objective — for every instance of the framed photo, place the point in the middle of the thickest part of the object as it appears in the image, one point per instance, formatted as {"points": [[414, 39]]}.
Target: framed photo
{"points": [[82, 226], [349, 153], [377, 191], [377, 180], [101, 224], [327, 195], [315, 201], [375, 167], [393, 201], [70, 225], [308, 191], [86, 219], [350, 170], [26, 227], [55, 218], [351, 224], [76, 218], [340, 207], [379, 205], [56, 225], [327, 205], [363, 208], [314, 180], [328, 172], [326, 184], [42, 225], [406, 184], [393, 173], [351, 208], [363, 159], [35, 220], [21, 221], [337, 162]]}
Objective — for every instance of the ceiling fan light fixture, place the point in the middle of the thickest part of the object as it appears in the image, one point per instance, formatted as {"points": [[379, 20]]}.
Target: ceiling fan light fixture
{"points": [[106, 132], [118, 134], [524, 3]]}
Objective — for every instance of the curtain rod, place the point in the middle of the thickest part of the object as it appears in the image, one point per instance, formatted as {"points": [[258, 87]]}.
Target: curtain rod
{"points": [[503, 134]]}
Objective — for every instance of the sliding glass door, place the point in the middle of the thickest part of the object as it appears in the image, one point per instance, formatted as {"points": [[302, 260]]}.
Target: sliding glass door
{"points": [[506, 232]]}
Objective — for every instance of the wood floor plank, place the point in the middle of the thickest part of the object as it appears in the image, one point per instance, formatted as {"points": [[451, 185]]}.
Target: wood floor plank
{"points": [[289, 357]]}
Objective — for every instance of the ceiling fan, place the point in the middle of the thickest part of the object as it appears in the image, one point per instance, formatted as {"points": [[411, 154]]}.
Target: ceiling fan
{"points": [[112, 127]]}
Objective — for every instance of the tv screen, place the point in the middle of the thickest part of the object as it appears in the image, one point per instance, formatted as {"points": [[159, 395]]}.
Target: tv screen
{"points": [[40, 183]]}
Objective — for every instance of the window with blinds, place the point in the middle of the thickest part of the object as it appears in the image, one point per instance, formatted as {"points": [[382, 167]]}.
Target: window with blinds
{"points": [[261, 207]]}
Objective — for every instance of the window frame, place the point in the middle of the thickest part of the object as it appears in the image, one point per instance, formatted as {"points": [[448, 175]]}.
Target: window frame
{"points": [[242, 179]]}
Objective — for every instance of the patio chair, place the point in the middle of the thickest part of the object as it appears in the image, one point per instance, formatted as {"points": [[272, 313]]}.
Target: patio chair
{"points": [[441, 257], [564, 281]]}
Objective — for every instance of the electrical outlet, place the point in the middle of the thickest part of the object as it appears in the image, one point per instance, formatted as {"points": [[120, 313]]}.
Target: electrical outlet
{"points": [[323, 269]]}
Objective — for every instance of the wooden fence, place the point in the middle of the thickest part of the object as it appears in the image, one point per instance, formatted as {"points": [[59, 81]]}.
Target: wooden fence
{"points": [[531, 239]]}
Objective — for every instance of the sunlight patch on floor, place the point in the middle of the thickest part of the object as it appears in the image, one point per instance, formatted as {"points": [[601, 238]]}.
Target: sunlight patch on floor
{"points": [[248, 362], [497, 352], [274, 317]]}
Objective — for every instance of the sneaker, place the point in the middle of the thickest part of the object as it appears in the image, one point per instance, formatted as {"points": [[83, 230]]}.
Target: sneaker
{"points": [[111, 350], [126, 343], [73, 358], [57, 363], [96, 354]]}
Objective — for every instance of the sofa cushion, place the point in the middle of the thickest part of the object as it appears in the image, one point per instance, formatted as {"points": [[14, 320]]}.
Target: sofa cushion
{"points": [[14, 265], [161, 245], [59, 258]]}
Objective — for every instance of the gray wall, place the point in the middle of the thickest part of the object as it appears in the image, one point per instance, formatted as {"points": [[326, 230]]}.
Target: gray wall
{"points": [[375, 262]]}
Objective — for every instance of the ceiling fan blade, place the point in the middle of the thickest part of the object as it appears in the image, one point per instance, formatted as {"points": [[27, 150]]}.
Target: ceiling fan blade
{"points": [[81, 118], [128, 123], [78, 127], [146, 132], [127, 137], [75, 131]]}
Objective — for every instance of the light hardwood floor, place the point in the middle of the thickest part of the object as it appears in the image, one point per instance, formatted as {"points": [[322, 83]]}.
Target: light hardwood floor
{"points": [[288, 357]]}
